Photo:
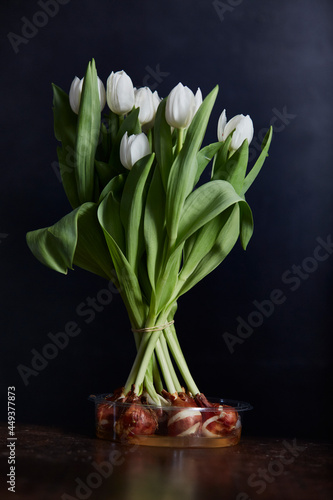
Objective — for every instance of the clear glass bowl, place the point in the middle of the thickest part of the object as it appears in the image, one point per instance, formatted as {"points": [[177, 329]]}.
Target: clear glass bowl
{"points": [[170, 426]]}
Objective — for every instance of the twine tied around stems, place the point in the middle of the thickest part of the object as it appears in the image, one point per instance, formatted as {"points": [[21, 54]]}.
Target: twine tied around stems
{"points": [[156, 328]]}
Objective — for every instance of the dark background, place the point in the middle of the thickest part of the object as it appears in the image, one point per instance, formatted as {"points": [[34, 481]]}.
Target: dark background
{"points": [[271, 59]]}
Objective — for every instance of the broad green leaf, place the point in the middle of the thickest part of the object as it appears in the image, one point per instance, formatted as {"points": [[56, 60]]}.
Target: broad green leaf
{"points": [[163, 143], [113, 126], [221, 157], [166, 284], [204, 156], [202, 241], [54, 246], [61, 245], [88, 131], [116, 185], [130, 288], [246, 221], [234, 169], [65, 123], [184, 169], [67, 172], [65, 120], [154, 226], [249, 179], [91, 252], [111, 211], [131, 208], [144, 281], [103, 147], [105, 173], [203, 205], [224, 243]]}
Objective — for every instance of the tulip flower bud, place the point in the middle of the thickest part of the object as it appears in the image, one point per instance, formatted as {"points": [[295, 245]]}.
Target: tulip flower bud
{"points": [[132, 148], [181, 106], [198, 100], [120, 93], [240, 125], [75, 92], [143, 99]]}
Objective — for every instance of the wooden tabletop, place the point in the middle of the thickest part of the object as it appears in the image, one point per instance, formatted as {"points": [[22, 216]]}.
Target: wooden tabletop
{"points": [[51, 463]]}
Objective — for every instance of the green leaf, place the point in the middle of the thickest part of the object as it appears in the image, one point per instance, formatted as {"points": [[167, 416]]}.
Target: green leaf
{"points": [[246, 221], [166, 285], [67, 172], [113, 184], [130, 288], [103, 148], [203, 205], [221, 157], [201, 242], [113, 120], [65, 120], [65, 123], [222, 246], [77, 239], [184, 169], [249, 179], [105, 173], [163, 143], [91, 252], [88, 131], [154, 226], [111, 211], [131, 209], [234, 169], [204, 156]]}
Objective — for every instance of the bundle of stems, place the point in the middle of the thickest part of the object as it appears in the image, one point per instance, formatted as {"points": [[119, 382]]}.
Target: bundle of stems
{"points": [[151, 227]]}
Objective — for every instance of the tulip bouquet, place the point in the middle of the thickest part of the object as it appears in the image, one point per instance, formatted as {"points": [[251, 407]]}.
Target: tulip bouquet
{"points": [[141, 219]]}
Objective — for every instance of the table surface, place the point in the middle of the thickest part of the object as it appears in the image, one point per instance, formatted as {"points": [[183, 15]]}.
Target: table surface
{"points": [[52, 463]]}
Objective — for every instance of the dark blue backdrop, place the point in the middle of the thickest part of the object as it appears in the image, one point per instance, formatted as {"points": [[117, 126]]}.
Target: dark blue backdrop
{"points": [[272, 60]]}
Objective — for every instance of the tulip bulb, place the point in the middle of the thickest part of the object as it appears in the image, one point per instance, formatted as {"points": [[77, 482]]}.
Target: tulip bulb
{"points": [[220, 421], [135, 419], [107, 413], [187, 420]]}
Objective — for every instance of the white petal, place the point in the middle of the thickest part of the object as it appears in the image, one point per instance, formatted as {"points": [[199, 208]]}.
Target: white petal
{"points": [[221, 126]]}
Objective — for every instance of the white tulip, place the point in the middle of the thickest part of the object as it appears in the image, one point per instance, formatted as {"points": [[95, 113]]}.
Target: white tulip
{"points": [[133, 148], [198, 100], [144, 99], [120, 93], [76, 90], [240, 125], [156, 103], [181, 106], [221, 126]]}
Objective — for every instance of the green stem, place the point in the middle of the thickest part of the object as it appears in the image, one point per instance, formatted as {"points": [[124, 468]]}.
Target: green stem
{"points": [[156, 374], [178, 356], [164, 368], [141, 346], [143, 357], [171, 368], [180, 137]]}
